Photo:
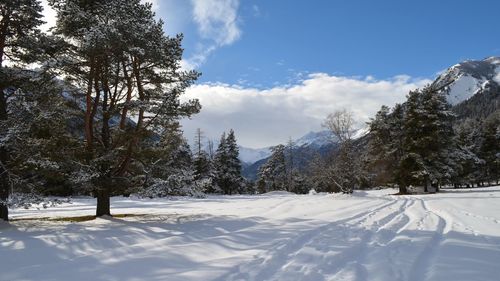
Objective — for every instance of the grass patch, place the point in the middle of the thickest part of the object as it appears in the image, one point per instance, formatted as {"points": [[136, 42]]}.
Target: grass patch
{"points": [[74, 219], [77, 219]]}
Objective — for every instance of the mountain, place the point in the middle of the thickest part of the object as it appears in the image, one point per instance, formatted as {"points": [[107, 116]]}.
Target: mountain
{"points": [[316, 139], [474, 92], [252, 155], [470, 78], [305, 149]]}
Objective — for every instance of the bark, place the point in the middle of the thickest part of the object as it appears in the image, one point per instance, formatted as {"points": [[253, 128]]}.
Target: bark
{"points": [[103, 203], [4, 212], [403, 189], [130, 86], [4, 185], [105, 133], [4, 158], [140, 120]]}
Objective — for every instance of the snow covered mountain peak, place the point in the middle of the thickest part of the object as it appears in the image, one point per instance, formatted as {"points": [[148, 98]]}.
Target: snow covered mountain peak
{"points": [[470, 77], [316, 139], [252, 155]]}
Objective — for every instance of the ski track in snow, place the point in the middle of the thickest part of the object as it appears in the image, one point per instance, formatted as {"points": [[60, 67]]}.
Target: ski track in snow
{"points": [[371, 235]]}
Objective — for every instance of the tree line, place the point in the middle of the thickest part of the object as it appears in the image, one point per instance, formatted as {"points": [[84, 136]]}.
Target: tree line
{"points": [[94, 107], [421, 143]]}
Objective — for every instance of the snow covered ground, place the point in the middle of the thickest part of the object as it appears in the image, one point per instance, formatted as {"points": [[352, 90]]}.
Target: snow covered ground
{"points": [[454, 235]]}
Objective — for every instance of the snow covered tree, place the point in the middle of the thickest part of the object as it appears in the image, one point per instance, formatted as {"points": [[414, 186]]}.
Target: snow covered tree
{"points": [[126, 66], [490, 148], [321, 174], [201, 160], [386, 144], [169, 167], [468, 138], [19, 24], [295, 182], [23, 92], [227, 165], [341, 124], [428, 139], [273, 174], [280, 171]]}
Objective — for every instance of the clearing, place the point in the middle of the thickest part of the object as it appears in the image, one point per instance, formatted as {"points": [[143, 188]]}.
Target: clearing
{"points": [[454, 235]]}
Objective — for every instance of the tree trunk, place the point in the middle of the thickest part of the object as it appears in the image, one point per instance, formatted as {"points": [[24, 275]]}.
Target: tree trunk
{"points": [[4, 212], [103, 203], [403, 189], [4, 157], [130, 88], [4, 186]]}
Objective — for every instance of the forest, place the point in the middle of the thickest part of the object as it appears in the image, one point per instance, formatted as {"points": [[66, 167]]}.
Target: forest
{"points": [[93, 108]]}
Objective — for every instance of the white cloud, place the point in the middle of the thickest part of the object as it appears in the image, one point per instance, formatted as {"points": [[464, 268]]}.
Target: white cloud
{"points": [[268, 117], [217, 23], [217, 20]]}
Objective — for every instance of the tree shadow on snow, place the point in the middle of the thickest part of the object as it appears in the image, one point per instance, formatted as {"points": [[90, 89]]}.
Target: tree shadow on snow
{"points": [[204, 247]]}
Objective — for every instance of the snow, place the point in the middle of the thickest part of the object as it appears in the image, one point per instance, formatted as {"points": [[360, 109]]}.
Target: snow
{"points": [[463, 88], [316, 139], [454, 235], [252, 155], [497, 76]]}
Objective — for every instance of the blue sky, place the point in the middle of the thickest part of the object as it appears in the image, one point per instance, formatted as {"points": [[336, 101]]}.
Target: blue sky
{"points": [[281, 38], [274, 69]]}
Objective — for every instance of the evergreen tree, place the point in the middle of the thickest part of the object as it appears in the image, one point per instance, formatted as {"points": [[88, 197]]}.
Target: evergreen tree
{"points": [[468, 141], [386, 144], [489, 149], [20, 44], [202, 164], [120, 56], [227, 165], [428, 139], [273, 174], [171, 169]]}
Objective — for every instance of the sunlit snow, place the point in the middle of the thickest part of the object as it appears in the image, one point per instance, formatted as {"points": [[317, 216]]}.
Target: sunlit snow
{"points": [[454, 235]]}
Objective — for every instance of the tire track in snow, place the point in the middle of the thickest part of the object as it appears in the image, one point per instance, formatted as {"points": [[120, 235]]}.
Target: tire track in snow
{"points": [[385, 247], [376, 242], [279, 256], [421, 267]]}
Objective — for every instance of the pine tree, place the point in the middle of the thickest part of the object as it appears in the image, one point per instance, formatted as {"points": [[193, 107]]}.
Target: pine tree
{"points": [[468, 139], [227, 165], [18, 34], [201, 159], [489, 149], [220, 165], [171, 170], [273, 174], [125, 64], [386, 144], [428, 139]]}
